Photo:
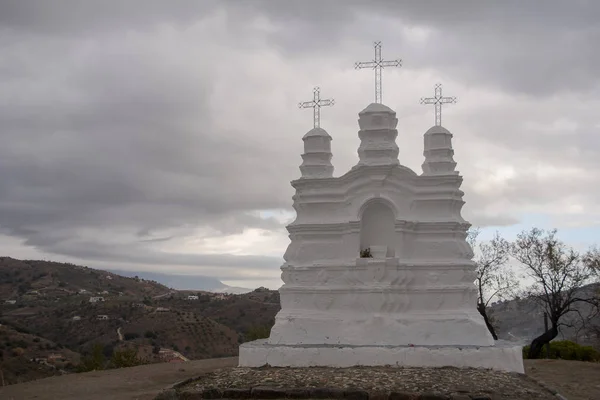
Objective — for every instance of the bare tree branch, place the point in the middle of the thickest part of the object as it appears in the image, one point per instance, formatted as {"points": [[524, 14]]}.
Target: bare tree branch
{"points": [[559, 273], [493, 278]]}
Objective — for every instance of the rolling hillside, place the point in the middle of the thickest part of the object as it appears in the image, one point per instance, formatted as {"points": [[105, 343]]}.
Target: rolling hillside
{"points": [[69, 310]]}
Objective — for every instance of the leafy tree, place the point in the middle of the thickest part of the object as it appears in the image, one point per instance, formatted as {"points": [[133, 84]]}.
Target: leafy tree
{"points": [[94, 361], [494, 279], [559, 273]]}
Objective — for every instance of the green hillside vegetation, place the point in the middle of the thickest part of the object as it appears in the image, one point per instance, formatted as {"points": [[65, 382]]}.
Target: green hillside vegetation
{"points": [[52, 309]]}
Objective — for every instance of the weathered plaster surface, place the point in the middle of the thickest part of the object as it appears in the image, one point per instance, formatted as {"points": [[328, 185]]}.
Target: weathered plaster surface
{"points": [[502, 357], [417, 290]]}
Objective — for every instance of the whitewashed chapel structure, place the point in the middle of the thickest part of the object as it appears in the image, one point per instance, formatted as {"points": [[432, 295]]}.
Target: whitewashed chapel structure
{"points": [[378, 271]]}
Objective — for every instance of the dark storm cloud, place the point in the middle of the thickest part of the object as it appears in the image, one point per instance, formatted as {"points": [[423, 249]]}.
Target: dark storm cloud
{"points": [[525, 47], [109, 124], [109, 134], [68, 17]]}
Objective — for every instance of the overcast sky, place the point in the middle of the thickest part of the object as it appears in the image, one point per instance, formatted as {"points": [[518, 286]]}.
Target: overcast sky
{"points": [[155, 135]]}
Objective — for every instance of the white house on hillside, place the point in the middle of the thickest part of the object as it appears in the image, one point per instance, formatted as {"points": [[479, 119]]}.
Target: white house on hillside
{"points": [[192, 297], [96, 299]]}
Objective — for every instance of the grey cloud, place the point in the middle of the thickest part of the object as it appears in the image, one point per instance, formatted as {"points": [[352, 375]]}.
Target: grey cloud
{"points": [[89, 16], [510, 45], [121, 137], [484, 220], [105, 127], [135, 254]]}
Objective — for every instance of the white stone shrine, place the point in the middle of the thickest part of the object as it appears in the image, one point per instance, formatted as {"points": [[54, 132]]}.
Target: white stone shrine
{"points": [[413, 301]]}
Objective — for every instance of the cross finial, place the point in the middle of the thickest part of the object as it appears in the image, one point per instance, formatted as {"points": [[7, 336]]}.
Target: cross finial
{"points": [[378, 64], [316, 105], [437, 101]]}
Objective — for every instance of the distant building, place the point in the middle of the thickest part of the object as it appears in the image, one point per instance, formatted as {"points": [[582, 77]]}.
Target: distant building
{"points": [[162, 309], [220, 296], [168, 355], [192, 297], [102, 317], [10, 301], [104, 292], [96, 299], [56, 357], [77, 318], [82, 291], [109, 277]]}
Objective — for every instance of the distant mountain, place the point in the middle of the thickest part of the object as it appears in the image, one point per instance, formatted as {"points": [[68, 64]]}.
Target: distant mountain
{"points": [[187, 282], [47, 278]]}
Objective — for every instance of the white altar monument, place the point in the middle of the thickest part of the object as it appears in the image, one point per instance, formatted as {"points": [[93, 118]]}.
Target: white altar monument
{"points": [[378, 271]]}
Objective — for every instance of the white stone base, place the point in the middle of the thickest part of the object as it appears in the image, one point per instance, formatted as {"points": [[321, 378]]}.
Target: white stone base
{"points": [[503, 356]]}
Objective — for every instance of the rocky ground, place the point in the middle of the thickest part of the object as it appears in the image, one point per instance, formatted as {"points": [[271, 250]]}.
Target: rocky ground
{"points": [[574, 380], [364, 383]]}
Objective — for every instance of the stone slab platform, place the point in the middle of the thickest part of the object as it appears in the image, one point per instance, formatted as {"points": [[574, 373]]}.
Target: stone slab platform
{"points": [[504, 356]]}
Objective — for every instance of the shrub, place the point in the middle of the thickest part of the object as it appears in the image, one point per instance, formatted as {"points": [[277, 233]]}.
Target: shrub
{"points": [[18, 351], [258, 332], [130, 335], [150, 335], [567, 350], [125, 358]]}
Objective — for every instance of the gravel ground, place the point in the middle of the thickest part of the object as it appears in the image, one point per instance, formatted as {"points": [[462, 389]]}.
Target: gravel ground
{"points": [[444, 383], [575, 380]]}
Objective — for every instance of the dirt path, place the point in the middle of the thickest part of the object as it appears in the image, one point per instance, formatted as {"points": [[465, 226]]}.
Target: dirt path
{"points": [[137, 383], [576, 380]]}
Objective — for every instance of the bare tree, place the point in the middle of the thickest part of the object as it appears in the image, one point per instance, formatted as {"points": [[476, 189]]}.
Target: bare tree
{"points": [[494, 279], [559, 273], [592, 260]]}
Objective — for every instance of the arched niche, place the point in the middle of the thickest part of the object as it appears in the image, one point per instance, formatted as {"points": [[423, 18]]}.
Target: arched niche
{"points": [[377, 226]]}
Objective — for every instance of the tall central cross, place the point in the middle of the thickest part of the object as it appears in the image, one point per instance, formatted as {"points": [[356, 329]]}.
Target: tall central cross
{"points": [[437, 101], [316, 105], [378, 64]]}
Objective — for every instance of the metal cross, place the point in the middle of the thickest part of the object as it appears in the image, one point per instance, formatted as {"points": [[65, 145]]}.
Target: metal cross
{"points": [[316, 105], [378, 64], [438, 100]]}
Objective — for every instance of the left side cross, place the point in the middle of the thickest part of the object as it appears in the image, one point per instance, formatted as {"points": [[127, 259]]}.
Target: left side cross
{"points": [[316, 105]]}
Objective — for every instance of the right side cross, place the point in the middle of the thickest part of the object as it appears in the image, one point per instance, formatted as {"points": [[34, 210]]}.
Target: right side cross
{"points": [[316, 105], [437, 101], [378, 64]]}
